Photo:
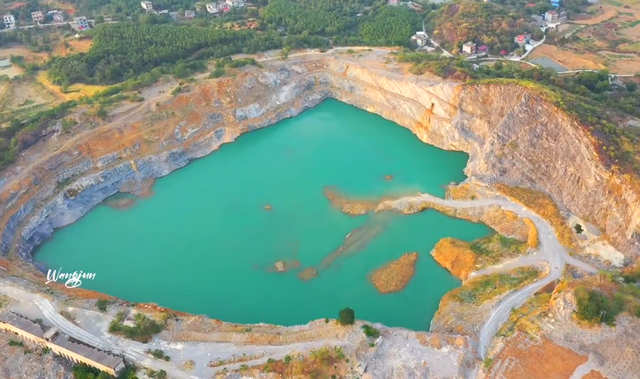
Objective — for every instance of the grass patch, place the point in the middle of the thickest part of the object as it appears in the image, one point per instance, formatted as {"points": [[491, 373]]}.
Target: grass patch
{"points": [[4, 301], [143, 329], [493, 249], [370, 331], [158, 354], [635, 23], [73, 92], [521, 318], [326, 362], [478, 290]]}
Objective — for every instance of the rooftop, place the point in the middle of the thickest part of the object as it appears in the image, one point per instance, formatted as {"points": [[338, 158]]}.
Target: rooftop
{"points": [[50, 333], [22, 323], [89, 352]]}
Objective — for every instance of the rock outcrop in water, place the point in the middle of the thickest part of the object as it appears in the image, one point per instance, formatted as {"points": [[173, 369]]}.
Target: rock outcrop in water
{"points": [[394, 276], [512, 136]]}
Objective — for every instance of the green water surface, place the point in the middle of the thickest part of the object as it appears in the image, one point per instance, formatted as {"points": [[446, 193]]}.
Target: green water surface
{"points": [[204, 242]]}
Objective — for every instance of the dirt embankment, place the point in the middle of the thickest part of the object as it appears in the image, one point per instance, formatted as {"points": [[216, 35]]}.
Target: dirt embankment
{"points": [[354, 207], [455, 256], [461, 258], [545, 207], [394, 276]]}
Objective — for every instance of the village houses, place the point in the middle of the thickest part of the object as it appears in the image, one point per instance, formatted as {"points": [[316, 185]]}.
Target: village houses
{"points": [[469, 48], [37, 16], [235, 3], [213, 8], [147, 6], [9, 21], [189, 14], [420, 38], [555, 17], [57, 16], [80, 23], [522, 39]]}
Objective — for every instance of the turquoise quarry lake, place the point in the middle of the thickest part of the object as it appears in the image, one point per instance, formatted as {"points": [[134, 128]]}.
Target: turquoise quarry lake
{"points": [[204, 244]]}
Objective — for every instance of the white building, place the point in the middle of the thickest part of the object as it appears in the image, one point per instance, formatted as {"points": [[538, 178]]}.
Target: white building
{"points": [[81, 23], [420, 38], [173, 15], [147, 6], [57, 16], [235, 3], [37, 16], [189, 14], [212, 8], [9, 21]]}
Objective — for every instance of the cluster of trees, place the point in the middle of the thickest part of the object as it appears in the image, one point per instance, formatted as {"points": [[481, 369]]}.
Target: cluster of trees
{"points": [[349, 22], [595, 307], [36, 40], [82, 371], [123, 51], [19, 135], [144, 328]]}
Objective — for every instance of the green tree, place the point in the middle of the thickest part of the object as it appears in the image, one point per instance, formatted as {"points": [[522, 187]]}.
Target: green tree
{"points": [[284, 54], [596, 307], [578, 228], [101, 304], [631, 86], [347, 316]]}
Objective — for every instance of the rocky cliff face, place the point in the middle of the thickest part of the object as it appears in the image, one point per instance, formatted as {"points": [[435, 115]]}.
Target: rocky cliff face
{"points": [[511, 135]]}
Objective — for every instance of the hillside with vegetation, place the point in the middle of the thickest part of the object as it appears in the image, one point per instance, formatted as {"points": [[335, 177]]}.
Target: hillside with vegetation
{"points": [[590, 97], [122, 51], [345, 22], [491, 24]]}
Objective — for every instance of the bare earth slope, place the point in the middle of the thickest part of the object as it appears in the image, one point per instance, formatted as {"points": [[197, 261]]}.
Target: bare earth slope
{"points": [[512, 136]]}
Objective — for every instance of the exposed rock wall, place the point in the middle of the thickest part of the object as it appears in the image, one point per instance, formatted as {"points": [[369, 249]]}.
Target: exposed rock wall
{"points": [[512, 136]]}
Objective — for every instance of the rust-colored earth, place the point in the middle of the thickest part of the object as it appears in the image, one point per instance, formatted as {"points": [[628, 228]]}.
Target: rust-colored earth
{"points": [[455, 256], [394, 276], [522, 355]]}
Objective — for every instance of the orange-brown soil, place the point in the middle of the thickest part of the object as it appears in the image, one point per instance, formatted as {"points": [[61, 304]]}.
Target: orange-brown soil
{"points": [[522, 356], [395, 276], [455, 256]]}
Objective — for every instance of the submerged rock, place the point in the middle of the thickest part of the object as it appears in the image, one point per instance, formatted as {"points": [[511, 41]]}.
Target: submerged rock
{"points": [[121, 203], [308, 273], [284, 266], [394, 276]]}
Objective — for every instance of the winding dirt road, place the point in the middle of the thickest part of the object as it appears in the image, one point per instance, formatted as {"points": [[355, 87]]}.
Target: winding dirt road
{"points": [[550, 251]]}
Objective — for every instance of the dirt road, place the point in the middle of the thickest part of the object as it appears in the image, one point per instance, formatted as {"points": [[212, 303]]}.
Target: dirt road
{"points": [[550, 251]]}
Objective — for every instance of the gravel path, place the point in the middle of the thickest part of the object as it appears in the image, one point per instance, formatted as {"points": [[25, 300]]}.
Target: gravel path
{"points": [[550, 251]]}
